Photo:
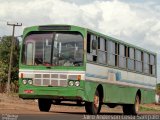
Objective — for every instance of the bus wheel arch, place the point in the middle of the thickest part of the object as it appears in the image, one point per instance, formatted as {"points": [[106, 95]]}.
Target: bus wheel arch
{"points": [[137, 103], [101, 93], [95, 106], [139, 94], [133, 109]]}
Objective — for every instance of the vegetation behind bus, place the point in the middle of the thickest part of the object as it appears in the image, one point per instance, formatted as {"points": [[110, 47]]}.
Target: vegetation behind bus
{"points": [[5, 44], [158, 89]]}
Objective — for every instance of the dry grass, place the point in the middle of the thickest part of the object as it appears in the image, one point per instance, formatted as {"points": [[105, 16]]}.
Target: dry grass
{"points": [[13, 87]]}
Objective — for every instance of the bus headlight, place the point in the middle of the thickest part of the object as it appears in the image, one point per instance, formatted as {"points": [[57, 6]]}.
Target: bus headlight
{"points": [[71, 83], [24, 82], [30, 82], [77, 83]]}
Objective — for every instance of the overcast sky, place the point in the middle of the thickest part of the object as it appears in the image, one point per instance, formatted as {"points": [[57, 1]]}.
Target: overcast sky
{"points": [[133, 21]]}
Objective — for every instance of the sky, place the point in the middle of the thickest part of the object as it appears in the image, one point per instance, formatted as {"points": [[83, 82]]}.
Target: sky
{"points": [[133, 21]]}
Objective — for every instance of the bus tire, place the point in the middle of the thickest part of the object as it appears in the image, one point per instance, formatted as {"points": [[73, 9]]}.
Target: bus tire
{"points": [[126, 109], [44, 105], [132, 109], [80, 103], [94, 107], [57, 102]]}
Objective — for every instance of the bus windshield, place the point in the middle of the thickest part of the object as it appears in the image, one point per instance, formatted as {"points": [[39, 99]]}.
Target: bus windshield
{"points": [[53, 49]]}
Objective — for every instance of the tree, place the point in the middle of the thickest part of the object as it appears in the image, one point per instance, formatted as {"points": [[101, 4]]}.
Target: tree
{"points": [[158, 88], [5, 45]]}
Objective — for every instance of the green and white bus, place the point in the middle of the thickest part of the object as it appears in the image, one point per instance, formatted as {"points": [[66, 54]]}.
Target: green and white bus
{"points": [[71, 63]]}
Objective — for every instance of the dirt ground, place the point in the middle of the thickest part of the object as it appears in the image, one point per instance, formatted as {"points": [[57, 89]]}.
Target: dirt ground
{"points": [[12, 104]]}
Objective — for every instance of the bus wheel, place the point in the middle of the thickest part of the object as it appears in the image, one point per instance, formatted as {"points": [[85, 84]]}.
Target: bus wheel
{"points": [[80, 103], [136, 106], [57, 102], [132, 109], [44, 105], [95, 106]]}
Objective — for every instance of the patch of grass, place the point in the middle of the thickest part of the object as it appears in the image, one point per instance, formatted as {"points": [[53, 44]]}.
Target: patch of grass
{"points": [[143, 108], [11, 94]]}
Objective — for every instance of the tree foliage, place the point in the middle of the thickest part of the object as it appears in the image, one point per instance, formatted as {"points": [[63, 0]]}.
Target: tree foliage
{"points": [[5, 47], [158, 88]]}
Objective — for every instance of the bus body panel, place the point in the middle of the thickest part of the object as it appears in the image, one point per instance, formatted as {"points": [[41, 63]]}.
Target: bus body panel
{"points": [[59, 88], [118, 85], [118, 94], [62, 93]]}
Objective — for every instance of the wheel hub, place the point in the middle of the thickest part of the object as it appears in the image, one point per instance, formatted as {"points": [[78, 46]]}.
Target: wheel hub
{"points": [[137, 104], [96, 101]]}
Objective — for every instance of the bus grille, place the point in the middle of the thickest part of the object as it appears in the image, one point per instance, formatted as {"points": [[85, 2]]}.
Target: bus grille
{"points": [[50, 80]]}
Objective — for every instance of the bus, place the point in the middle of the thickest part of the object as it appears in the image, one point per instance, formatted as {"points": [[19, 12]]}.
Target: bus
{"points": [[72, 63]]}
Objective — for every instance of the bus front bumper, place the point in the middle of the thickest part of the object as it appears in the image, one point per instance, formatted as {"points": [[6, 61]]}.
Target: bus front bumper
{"points": [[62, 93]]}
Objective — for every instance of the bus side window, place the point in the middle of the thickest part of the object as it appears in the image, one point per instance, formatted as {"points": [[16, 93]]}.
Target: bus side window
{"points": [[111, 53], [131, 58], [91, 47], [101, 51], [122, 56], [94, 44], [138, 54], [152, 65], [146, 63]]}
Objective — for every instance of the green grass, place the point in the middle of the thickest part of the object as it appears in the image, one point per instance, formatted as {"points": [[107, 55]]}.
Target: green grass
{"points": [[144, 108]]}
